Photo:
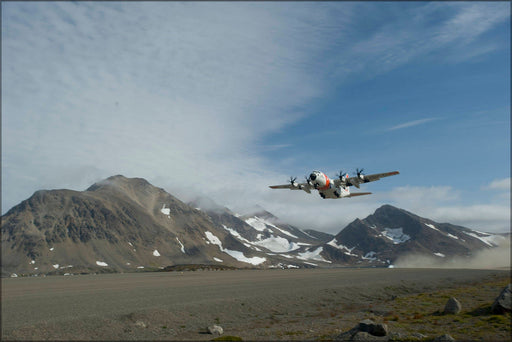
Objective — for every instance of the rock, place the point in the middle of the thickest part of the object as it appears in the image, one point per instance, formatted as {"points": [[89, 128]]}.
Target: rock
{"points": [[445, 337], [375, 329], [366, 330], [364, 336], [452, 306], [347, 335], [503, 302], [141, 324], [215, 330], [419, 336]]}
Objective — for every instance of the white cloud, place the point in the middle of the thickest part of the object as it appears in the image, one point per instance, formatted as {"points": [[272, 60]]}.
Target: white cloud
{"points": [[181, 91], [184, 94], [411, 124], [498, 184]]}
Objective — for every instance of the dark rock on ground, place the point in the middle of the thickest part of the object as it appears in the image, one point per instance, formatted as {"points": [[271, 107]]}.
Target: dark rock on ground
{"points": [[375, 329], [366, 330], [452, 306], [503, 302]]}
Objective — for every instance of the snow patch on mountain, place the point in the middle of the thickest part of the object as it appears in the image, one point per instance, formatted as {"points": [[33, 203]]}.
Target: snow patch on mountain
{"points": [[335, 244], [246, 242], [166, 211], [311, 236], [261, 225], [277, 244], [313, 255], [452, 236], [236, 234], [432, 226], [99, 263], [155, 253], [257, 223], [182, 247], [370, 256], [396, 235], [285, 232], [488, 239], [235, 254], [217, 259]]}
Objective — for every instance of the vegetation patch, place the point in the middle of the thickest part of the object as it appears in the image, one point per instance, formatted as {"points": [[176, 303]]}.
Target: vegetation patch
{"points": [[422, 313], [196, 267]]}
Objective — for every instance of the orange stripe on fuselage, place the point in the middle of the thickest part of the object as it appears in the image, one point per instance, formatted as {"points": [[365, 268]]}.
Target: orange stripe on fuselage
{"points": [[327, 182]]}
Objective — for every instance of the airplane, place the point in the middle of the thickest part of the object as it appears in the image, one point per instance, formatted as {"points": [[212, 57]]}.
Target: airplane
{"points": [[334, 188]]}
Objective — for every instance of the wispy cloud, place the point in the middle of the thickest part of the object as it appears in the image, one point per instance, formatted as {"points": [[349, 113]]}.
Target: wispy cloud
{"points": [[154, 90], [411, 124], [183, 94], [419, 30]]}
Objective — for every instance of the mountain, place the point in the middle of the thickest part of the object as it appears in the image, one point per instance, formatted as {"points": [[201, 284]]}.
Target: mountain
{"points": [[322, 236], [118, 224], [126, 224], [391, 232], [260, 230]]}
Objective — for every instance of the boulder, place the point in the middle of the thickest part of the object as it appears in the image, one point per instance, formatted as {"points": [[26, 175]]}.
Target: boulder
{"points": [[215, 330], [445, 337], [503, 302], [375, 329], [452, 306], [366, 330]]}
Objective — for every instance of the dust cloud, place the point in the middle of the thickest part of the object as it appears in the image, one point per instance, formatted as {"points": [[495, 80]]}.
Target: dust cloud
{"points": [[496, 257]]}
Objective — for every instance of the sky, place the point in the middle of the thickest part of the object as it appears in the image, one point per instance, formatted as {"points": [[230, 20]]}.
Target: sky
{"points": [[223, 99]]}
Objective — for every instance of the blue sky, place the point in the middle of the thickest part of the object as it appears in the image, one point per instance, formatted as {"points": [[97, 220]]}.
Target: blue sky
{"points": [[223, 99]]}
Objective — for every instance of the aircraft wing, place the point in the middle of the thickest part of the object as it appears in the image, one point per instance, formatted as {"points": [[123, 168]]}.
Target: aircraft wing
{"points": [[355, 181], [300, 186], [359, 194]]}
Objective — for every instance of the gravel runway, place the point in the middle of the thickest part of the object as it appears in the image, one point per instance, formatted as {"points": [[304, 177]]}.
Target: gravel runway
{"points": [[253, 304]]}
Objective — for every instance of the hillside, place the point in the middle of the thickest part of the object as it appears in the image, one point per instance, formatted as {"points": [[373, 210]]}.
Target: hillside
{"points": [[119, 224]]}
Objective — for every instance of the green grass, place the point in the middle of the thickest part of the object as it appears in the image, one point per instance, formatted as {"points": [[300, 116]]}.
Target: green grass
{"points": [[423, 313]]}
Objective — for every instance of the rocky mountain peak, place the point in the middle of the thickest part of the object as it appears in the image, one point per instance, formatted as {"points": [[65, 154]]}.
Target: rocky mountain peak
{"points": [[120, 182]]}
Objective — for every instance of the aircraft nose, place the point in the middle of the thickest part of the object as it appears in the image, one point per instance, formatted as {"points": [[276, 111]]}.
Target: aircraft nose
{"points": [[312, 176]]}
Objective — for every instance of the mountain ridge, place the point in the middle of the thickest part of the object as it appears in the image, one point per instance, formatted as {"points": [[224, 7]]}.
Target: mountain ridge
{"points": [[124, 224]]}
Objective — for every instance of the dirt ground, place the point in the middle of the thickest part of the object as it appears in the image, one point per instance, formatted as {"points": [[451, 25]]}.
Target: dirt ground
{"points": [[303, 304]]}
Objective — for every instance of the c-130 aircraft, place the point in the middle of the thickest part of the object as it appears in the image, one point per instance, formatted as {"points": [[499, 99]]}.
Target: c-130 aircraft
{"points": [[334, 188]]}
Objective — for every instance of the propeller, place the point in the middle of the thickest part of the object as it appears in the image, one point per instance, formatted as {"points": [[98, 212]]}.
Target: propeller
{"points": [[292, 180], [307, 180], [341, 175], [360, 173]]}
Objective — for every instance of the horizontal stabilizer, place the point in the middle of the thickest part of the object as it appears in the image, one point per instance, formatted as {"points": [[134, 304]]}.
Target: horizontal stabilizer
{"points": [[359, 194]]}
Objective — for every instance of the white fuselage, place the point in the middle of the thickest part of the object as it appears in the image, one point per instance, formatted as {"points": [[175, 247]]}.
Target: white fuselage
{"points": [[326, 187]]}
